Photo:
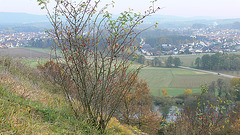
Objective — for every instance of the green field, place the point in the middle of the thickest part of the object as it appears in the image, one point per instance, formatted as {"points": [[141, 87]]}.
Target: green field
{"points": [[45, 50], [187, 60], [175, 80], [34, 62], [234, 73]]}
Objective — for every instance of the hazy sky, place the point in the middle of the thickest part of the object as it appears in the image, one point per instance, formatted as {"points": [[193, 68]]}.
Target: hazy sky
{"points": [[185, 8]]}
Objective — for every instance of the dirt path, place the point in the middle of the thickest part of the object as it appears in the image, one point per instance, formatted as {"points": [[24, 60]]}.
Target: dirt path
{"points": [[210, 72]]}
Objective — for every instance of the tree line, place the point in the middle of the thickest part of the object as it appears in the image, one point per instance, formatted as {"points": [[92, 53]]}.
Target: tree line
{"points": [[156, 62], [218, 61], [212, 110], [41, 43], [156, 42]]}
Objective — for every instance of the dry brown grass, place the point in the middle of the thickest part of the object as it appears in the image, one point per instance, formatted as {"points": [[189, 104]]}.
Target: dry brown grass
{"points": [[30, 106], [27, 90]]}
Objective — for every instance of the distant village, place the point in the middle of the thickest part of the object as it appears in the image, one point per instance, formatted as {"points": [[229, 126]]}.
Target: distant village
{"points": [[223, 40], [21, 39]]}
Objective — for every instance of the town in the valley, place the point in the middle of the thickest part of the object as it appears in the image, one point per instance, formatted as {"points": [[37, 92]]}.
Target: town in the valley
{"points": [[203, 40]]}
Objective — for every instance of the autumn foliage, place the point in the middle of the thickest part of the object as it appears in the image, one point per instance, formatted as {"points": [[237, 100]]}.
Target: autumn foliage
{"points": [[164, 91], [235, 81], [221, 117], [187, 92], [236, 126], [52, 71], [135, 109], [97, 50]]}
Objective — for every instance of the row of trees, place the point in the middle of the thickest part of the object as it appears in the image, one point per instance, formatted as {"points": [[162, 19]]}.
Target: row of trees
{"points": [[218, 61], [209, 114], [156, 62], [216, 89], [220, 88], [41, 43], [173, 62], [156, 42], [213, 111]]}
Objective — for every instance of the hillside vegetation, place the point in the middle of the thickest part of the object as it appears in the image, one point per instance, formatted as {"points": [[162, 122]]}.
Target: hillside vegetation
{"points": [[32, 105]]}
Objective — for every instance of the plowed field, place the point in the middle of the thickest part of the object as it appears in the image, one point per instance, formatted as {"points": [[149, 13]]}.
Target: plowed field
{"points": [[23, 53]]}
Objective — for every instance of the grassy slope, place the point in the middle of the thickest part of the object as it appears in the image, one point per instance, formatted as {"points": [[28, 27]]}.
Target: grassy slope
{"points": [[25, 109], [28, 108], [20, 116]]}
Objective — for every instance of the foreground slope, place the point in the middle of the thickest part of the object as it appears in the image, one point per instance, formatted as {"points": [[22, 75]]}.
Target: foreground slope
{"points": [[32, 105]]}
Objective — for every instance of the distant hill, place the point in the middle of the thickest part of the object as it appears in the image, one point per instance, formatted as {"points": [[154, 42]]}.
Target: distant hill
{"points": [[198, 26], [235, 25], [21, 18], [23, 22], [165, 21]]}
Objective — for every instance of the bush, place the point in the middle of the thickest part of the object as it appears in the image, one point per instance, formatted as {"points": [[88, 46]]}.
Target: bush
{"points": [[205, 117]]}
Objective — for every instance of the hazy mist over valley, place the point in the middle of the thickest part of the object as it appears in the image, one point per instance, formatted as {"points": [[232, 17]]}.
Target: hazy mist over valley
{"points": [[100, 67]]}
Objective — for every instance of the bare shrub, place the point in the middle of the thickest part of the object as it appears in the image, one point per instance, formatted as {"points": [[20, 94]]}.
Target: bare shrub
{"points": [[97, 51]]}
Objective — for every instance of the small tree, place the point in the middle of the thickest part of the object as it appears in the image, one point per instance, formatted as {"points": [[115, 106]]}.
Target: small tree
{"points": [[156, 62], [206, 61], [198, 62], [187, 51], [141, 59], [187, 92], [96, 51], [212, 87], [169, 62], [235, 81], [165, 92], [135, 109], [176, 62], [220, 84]]}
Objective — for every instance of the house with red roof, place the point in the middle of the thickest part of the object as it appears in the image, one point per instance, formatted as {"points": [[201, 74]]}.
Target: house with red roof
{"points": [[2, 46], [9, 45]]}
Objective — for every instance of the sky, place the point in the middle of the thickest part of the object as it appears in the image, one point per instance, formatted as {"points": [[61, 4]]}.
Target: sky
{"points": [[183, 8]]}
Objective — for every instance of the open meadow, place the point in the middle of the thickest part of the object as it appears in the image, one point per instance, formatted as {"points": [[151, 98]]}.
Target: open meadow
{"points": [[45, 50], [234, 73], [187, 60], [30, 56], [23, 53], [175, 80]]}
